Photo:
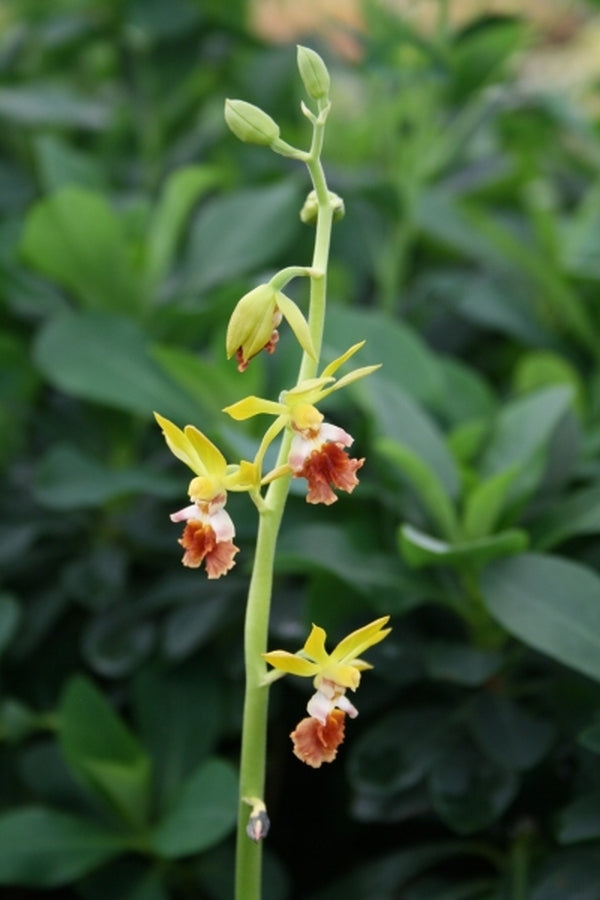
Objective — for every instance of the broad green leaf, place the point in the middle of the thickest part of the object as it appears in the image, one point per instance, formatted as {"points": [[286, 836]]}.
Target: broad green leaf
{"points": [[551, 604], [565, 308], [543, 368], [177, 740], [466, 440], [202, 815], [67, 479], [401, 419], [193, 625], [19, 383], [442, 216], [572, 874], [468, 791], [590, 737], [383, 877], [105, 358], [484, 504], [465, 394], [479, 52], [44, 848], [331, 549], [10, 614], [523, 427], [59, 164], [405, 359], [116, 643], [53, 106], [381, 764], [420, 549], [210, 382], [580, 821], [509, 735], [424, 481], [576, 514], [579, 245], [180, 193], [459, 663], [128, 878], [489, 303], [46, 776], [17, 721], [102, 751], [76, 239], [238, 233], [155, 21]]}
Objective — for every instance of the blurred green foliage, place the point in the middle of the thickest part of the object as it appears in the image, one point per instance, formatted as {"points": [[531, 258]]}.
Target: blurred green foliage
{"points": [[468, 258]]}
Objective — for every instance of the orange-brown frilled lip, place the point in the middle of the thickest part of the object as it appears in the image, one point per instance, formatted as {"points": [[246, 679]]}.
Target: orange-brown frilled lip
{"points": [[315, 743]]}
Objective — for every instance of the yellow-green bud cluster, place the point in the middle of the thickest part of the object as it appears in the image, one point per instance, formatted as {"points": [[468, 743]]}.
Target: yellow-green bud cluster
{"points": [[309, 212]]}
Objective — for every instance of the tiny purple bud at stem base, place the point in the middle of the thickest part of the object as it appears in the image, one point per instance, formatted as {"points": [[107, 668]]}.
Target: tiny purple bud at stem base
{"points": [[258, 825]]}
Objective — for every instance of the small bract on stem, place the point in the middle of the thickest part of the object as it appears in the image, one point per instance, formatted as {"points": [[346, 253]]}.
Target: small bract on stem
{"points": [[309, 448]]}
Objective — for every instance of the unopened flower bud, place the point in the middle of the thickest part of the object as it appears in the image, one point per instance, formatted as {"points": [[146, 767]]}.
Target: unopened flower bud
{"points": [[313, 72], [249, 123], [251, 324], [309, 212], [258, 821]]}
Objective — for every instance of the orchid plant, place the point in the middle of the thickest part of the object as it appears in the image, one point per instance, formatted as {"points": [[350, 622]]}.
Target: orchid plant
{"points": [[309, 448]]}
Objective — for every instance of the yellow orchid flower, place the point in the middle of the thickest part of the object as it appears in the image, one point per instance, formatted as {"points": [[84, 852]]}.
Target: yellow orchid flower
{"points": [[209, 531], [317, 450], [307, 393], [317, 738]]}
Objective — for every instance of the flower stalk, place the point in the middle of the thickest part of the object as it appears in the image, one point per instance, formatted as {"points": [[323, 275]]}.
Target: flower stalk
{"points": [[248, 869], [309, 448]]}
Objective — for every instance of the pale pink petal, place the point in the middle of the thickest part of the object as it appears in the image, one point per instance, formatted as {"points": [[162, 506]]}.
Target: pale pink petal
{"points": [[300, 449], [319, 706], [189, 512], [344, 704], [222, 525], [333, 433]]}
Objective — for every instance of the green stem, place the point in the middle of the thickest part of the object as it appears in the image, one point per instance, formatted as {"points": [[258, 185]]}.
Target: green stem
{"points": [[254, 726]]}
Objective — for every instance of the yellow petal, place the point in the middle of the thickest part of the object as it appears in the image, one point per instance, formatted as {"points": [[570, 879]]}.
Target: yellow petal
{"points": [[335, 365], [345, 676], [253, 406], [305, 389], [277, 472], [350, 377], [211, 457], [297, 323], [355, 643], [243, 477], [315, 645], [180, 445], [289, 662], [361, 665]]}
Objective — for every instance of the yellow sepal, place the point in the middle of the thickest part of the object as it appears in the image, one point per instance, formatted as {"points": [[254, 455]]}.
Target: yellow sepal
{"points": [[253, 406], [290, 663], [193, 448]]}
